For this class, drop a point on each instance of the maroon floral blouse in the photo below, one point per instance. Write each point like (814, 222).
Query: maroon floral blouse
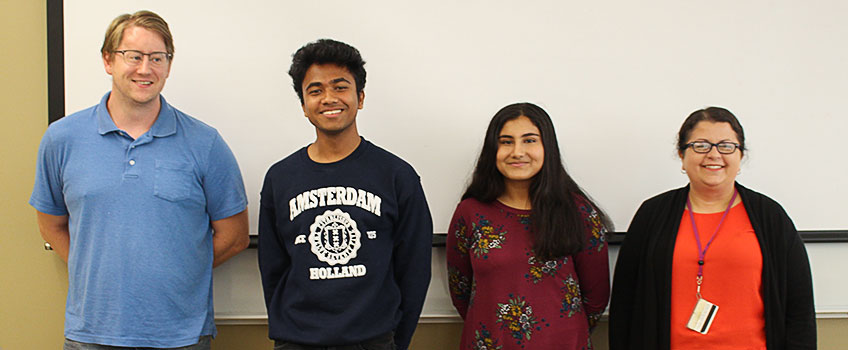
(509, 299)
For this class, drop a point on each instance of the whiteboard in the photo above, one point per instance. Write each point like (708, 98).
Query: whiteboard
(617, 77)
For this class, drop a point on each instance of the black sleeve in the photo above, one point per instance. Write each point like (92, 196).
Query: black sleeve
(625, 280)
(800, 309)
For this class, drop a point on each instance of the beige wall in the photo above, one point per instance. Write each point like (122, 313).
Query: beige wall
(831, 332)
(33, 283)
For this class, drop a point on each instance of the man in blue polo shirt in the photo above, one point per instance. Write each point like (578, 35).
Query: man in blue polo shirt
(142, 201)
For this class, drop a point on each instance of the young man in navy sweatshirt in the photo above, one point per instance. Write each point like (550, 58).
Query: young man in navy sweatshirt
(344, 227)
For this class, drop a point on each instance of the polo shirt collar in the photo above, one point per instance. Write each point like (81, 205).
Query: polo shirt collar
(105, 124)
(165, 124)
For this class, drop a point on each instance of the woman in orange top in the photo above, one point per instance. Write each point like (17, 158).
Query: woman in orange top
(712, 265)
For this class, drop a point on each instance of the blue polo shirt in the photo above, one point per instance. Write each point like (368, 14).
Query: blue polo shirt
(140, 263)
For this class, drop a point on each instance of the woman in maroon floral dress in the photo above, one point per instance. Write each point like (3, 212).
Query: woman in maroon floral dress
(526, 251)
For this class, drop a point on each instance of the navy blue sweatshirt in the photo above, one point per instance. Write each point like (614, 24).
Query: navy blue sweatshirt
(344, 248)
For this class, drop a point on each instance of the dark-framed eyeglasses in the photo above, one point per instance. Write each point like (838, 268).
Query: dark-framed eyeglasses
(135, 57)
(706, 147)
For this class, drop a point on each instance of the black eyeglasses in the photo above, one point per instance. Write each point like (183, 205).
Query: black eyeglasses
(135, 57)
(706, 147)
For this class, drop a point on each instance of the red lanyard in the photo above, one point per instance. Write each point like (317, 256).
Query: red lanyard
(703, 252)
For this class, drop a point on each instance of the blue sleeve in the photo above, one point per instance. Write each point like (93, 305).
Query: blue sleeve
(48, 192)
(222, 182)
(412, 254)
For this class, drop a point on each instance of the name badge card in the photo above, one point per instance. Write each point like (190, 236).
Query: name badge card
(702, 317)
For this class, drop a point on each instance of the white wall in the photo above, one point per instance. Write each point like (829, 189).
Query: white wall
(618, 77)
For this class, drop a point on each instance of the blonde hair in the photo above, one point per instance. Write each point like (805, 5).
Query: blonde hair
(144, 19)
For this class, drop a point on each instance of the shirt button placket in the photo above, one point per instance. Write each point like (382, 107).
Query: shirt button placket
(131, 168)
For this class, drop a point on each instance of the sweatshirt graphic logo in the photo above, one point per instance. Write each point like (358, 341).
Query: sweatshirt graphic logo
(334, 195)
(334, 237)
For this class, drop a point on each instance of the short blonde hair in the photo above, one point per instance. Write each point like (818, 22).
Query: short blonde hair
(144, 19)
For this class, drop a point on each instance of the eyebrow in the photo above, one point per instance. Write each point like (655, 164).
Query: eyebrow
(705, 140)
(525, 135)
(334, 81)
(315, 84)
(339, 80)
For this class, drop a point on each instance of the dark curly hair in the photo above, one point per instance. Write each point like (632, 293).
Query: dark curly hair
(326, 51)
(710, 114)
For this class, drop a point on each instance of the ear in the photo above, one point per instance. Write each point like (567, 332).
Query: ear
(107, 62)
(361, 99)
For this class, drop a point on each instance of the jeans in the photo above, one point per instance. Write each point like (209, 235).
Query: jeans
(204, 343)
(382, 342)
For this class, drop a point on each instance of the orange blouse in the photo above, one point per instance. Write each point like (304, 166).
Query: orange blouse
(732, 280)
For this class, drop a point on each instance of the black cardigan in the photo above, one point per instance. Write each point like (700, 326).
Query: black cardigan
(640, 309)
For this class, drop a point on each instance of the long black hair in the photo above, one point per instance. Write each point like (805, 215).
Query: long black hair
(558, 228)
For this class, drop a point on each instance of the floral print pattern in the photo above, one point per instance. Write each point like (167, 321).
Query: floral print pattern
(516, 315)
(524, 219)
(572, 301)
(460, 285)
(598, 232)
(518, 305)
(483, 340)
(486, 237)
(539, 270)
(462, 239)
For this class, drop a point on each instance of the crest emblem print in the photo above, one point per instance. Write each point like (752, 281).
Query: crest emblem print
(334, 237)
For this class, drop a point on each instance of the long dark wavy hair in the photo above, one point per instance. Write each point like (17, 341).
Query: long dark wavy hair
(557, 227)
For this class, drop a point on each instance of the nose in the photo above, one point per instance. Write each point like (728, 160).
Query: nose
(144, 66)
(329, 97)
(714, 153)
(518, 149)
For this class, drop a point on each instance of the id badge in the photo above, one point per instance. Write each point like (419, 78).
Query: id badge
(702, 316)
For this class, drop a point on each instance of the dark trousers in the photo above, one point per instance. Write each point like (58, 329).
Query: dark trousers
(382, 342)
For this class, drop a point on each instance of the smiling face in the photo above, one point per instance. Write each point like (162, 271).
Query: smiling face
(520, 151)
(330, 100)
(140, 84)
(713, 170)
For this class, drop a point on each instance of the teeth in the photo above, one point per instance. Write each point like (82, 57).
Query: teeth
(713, 166)
(335, 111)
(145, 82)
